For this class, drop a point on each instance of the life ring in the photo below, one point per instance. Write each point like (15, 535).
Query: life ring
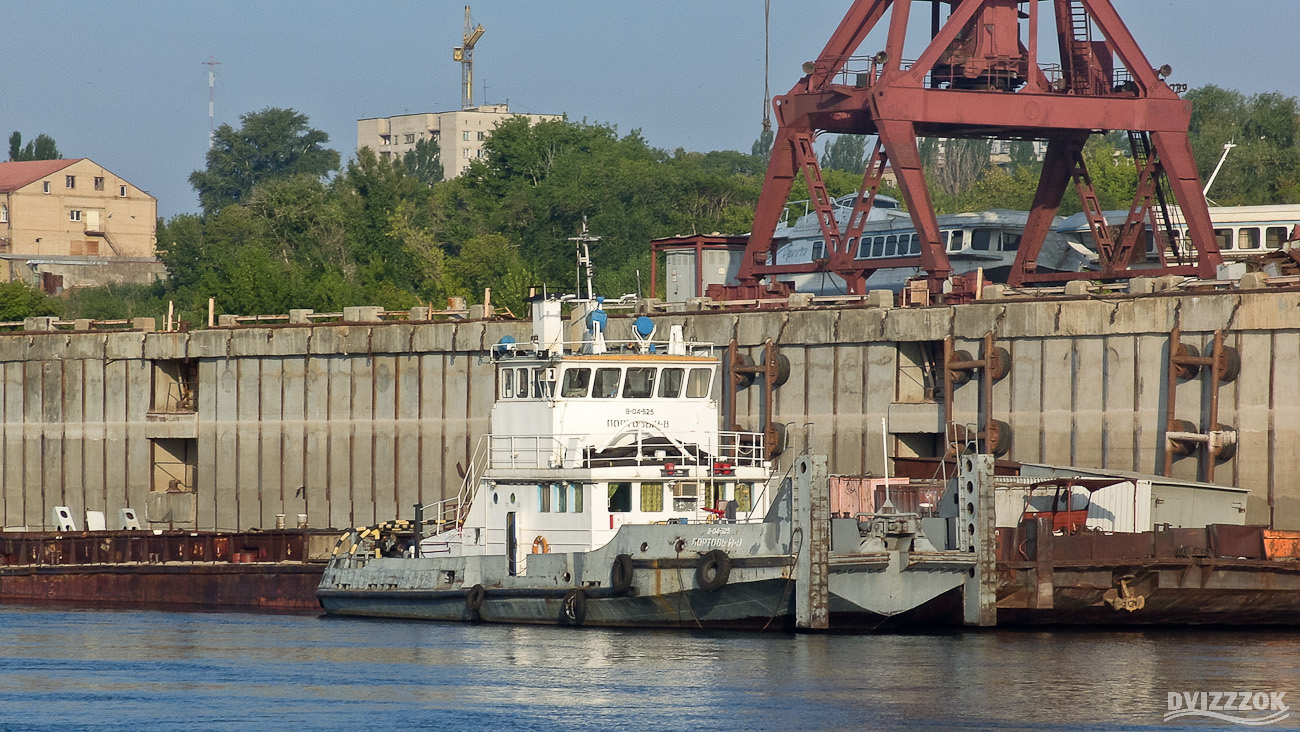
(474, 597)
(713, 570)
(541, 545)
(620, 574)
(573, 608)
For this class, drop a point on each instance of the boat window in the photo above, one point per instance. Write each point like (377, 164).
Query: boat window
(542, 389)
(891, 245)
(853, 242)
(864, 247)
(521, 383)
(652, 497)
(698, 385)
(819, 249)
(1248, 237)
(620, 497)
(714, 493)
(606, 383)
(979, 239)
(743, 497)
(1010, 242)
(575, 493)
(576, 383)
(1223, 237)
(1274, 237)
(507, 383)
(561, 497)
(914, 245)
(544, 498)
(670, 383)
(878, 246)
(957, 241)
(640, 383)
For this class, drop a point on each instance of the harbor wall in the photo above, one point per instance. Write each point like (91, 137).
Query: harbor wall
(353, 423)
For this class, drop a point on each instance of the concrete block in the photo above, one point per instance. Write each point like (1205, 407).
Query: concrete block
(1268, 310)
(860, 326)
(755, 328)
(649, 305)
(165, 345)
(418, 313)
(993, 292)
(125, 346)
(47, 347)
(147, 325)
(1141, 286)
(811, 327)
(800, 300)
(287, 341)
(250, 341)
(1084, 318)
(433, 337)
(1077, 288)
(327, 340)
(975, 320)
(300, 316)
(468, 337)
(1230, 271)
(921, 324)
(477, 312)
(1207, 312)
(1142, 315)
(83, 324)
(1029, 319)
(41, 323)
(1169, 282)
(1252, 281)
(699, 303)
(227, 321)
(85, 345)
(363, 314)
(391, 338)
(356, 338)
(208, 343)
(717, 328)
(883, 299)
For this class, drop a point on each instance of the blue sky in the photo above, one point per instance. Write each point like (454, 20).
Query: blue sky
(123, 83)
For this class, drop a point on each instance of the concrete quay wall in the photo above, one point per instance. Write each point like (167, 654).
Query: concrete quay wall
(353, 423)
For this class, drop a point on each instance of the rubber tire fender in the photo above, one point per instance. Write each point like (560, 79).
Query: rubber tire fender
(573, 608)
(712, 572)
(620, 574)
(474, 597)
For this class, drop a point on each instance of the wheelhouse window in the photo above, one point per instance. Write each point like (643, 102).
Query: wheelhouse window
(620, 497)
(744, 497)
(670, 383)
(1010, 242)
(697, 387)
(957, 241)
(507, 383)
(577, 382)
(878, 246)
(606, 386)
(542, 388)
(891, 245)
(979, 240)
(819, 249)
(640, 383)
(576, 491)
(652, 497)
(544, 497)
(521, 383)
(561, 497)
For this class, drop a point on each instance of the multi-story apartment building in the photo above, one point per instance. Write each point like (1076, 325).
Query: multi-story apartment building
(459, 134)
(74, 218)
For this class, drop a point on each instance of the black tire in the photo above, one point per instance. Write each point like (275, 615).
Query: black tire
(1231, 365)
(746, 379)
(960, 377)
(620, 574)
(713, 570)
(474, 597)
(782, 368)
(573, 608)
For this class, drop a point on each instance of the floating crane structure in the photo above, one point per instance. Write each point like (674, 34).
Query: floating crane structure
(983, 76)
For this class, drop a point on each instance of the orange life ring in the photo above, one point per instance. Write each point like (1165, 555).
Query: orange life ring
(541, 545)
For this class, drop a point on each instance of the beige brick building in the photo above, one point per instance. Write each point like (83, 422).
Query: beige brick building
(459, 134)
(73, 208)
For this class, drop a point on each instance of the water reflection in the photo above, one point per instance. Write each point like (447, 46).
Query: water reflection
(70, 670)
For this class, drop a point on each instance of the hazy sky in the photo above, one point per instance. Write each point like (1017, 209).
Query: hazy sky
(122, 82)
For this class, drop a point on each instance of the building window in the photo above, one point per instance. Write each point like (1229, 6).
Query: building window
(47, 186)
(92, 247)
(410, 139)
(74, 215)
(70, 181)
(4, 214)
(465, 135)
(384, 139)
(435, 135)
(482, 135)
(465, 153)
(121, 191)
(99, 183)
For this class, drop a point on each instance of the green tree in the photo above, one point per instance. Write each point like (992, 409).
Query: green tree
(846, 153)
(19, 300)
(273, 143)
(42, 148)
(954, 164)
(1264, 166)
(424, 163)
(762, 147)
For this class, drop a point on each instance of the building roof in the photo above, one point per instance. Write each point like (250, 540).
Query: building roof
(15, 175)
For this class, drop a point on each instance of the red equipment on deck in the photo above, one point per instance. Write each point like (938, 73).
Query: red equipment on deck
(980, 77)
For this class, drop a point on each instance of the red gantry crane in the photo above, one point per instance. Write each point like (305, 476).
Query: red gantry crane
(981, 77)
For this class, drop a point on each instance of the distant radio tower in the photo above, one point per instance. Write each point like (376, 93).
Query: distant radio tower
(465, 55)
(212, 63)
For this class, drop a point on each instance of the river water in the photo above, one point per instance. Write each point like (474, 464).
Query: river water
(125, 670)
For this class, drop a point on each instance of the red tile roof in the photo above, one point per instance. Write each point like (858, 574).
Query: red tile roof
(16, 175)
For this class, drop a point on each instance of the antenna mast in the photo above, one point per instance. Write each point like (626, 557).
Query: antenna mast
(464, 53)
(582, 243)
(212, 63)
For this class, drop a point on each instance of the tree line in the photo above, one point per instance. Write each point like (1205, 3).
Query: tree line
(284, 224)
